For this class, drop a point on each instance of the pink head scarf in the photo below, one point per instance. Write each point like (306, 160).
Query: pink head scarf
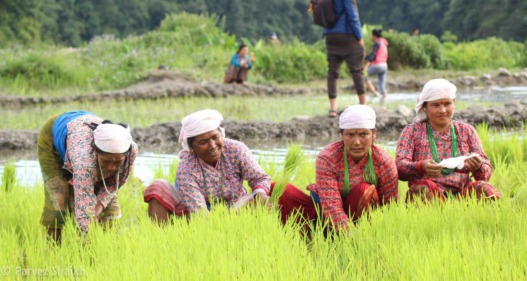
(198, 123)
(434, 89)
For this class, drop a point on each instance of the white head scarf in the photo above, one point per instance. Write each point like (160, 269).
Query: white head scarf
(357, 117)
(198, 123)
(112, 138)
(434, 89)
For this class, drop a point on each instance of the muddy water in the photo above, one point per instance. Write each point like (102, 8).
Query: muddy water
(28, 170)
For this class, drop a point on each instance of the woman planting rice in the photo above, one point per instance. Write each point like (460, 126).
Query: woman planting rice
(352, 174)
(84, 160)
(434, 136)
(212, 168)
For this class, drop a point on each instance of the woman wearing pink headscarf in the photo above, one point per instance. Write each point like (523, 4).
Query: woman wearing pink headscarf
(84, 161)
(211, 169)
(425, 145)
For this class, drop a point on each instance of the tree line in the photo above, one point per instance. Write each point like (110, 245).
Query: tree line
(73, 22)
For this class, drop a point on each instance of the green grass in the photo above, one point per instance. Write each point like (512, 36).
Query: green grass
(459, 240)
(144, 113)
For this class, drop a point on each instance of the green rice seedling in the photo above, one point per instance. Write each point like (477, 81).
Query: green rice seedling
(293, 160)
(8, 176)
(455, 240)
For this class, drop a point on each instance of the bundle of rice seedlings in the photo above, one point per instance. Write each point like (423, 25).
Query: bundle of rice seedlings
(8, 176)
(293, 159)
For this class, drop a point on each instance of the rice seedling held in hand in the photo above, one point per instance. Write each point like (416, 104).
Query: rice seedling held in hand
(293, 160)
(8, 176)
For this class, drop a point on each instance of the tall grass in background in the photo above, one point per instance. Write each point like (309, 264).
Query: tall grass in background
(196, 45)
(458, 240)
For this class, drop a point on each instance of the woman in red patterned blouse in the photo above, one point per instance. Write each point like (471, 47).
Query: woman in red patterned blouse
(352, 174)
(433, 137)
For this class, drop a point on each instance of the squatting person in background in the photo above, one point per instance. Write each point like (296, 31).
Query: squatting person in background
(434, 136)
(352, 175)
(84, 160)
(239, 66)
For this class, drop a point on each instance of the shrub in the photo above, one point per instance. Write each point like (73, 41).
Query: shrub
(488, 53)
(294, 62)
(405, 50)
(196, 30)
(434, 50)
(38, 70)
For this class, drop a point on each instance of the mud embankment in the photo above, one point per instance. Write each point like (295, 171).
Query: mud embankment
(166, 84)
(161, 136)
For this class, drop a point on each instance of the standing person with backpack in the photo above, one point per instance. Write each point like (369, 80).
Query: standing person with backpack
(344, 42)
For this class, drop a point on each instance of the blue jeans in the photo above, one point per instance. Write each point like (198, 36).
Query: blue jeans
(380, 70)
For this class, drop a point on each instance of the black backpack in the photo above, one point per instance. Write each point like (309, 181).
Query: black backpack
(324, 13)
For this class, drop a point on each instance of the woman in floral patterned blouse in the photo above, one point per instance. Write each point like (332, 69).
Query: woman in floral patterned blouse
(84, 160)
(434, 136)
(212, 168)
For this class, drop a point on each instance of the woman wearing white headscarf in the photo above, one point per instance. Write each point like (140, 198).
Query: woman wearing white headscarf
(352, 174)
(84, 160)
(433, 137)
(211, 168)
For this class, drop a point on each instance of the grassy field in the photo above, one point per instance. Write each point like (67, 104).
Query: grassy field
(144, 113)
(467, 240)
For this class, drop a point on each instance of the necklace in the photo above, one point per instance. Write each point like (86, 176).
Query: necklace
(104, 182)
(369, 175)
(433, 146)
(210, 190)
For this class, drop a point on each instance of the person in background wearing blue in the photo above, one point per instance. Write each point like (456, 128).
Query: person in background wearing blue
(344, 42)
(239, 67)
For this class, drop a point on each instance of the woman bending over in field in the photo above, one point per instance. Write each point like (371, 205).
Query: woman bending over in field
(84, 160)
(211, 168)
(352, 174)
(433, 137)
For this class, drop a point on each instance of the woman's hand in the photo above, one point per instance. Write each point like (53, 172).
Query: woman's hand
(262, 199)
(243, 63)
(98, 209)
(431, 168)
(473, 163)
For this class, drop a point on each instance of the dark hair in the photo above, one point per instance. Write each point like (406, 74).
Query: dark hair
(190, 141)
(240, 48)
(94, 126)
(377, 33)
(124, 125)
